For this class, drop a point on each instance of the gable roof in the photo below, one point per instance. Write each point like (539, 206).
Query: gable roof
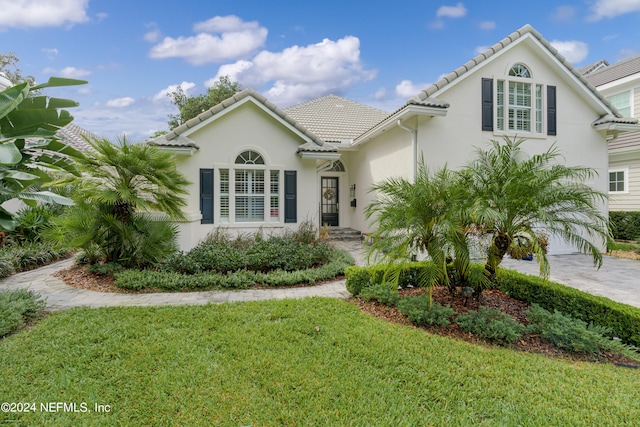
(336, 119)
(617, 71)
(527, 29)
(178, 137)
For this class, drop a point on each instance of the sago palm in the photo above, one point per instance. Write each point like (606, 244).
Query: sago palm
(521, 200)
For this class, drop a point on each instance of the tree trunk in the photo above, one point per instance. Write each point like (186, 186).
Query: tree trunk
(497, 251)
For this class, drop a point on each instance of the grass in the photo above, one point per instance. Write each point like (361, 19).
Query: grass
(293, 362)
(623, 246)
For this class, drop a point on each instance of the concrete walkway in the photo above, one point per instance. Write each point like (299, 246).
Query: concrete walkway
(618, 279)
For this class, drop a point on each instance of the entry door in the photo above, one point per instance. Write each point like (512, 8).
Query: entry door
(330, 206)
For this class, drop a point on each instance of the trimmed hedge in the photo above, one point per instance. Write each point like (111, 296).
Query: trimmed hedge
(625, 225)
(241, 279)
(622, 319)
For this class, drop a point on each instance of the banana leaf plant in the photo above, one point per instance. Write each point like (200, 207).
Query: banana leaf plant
(29, 148)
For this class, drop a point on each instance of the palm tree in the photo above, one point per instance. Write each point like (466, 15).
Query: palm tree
(520, 200)
(425, 215)
(119, 187)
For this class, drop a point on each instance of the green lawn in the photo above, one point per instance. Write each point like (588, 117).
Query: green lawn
(293, 362)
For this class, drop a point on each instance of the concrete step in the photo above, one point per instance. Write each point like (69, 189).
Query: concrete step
(344, 234)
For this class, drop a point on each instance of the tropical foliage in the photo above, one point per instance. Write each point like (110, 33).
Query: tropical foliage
(504, 197)
(29, 148)
(121, 185)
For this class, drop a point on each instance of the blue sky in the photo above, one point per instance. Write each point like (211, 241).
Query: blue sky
(376, 52)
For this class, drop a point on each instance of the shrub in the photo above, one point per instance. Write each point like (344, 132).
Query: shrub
(422, 311)
(17, 257)
(491, 324)
(15, 306)
(572, 334)
(625, 225)
(622, 319)
(108, 269)
(384, 293)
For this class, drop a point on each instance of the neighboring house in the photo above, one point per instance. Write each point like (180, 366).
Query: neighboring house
(620, 84)
(255, 166)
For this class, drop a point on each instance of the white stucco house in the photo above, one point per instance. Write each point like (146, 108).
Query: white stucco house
(255, 166)
(620, 84)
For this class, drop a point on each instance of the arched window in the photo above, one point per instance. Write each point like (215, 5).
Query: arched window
(249, 157)
(519, 70)
(251, 189)
(336, 166)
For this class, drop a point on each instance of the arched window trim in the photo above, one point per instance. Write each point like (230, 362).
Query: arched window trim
(520, 70)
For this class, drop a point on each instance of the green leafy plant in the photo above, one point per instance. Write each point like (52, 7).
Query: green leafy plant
(29, 148)
(384, 293)
(422, 311)
(573, 334)
(15, 306)
(491, 324)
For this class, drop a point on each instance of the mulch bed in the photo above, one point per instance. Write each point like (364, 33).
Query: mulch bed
(530, 343)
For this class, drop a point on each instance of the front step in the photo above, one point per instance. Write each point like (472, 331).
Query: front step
(344, 234)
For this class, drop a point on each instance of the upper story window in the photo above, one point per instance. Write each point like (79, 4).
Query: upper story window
(518, 104)
(622, 103)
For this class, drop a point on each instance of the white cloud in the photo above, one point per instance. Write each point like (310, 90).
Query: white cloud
(74, 73)
(457, 11)
(300, 72)
(42, 13)
(407, 88)
(120, 102)
(611, 8)
(574, 51)
(51, 53)
(163, 95)
(487, 25)
(480, 49)
(219, 39)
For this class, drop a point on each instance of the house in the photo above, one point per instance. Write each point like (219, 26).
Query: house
(255, 166)
(620, 84)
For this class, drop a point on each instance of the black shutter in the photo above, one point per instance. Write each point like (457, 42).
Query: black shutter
(487, 104)
(206, 196)
(290, 197)
(551, 110)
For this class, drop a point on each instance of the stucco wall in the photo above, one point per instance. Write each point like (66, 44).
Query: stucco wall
(246, 127)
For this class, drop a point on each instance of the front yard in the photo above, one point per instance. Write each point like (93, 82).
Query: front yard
(293, 362)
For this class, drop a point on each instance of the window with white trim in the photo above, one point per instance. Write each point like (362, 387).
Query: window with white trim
(618, 180)
(622, 103)
(519, 102)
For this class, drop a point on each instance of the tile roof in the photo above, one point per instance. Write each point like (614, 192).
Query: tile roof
(513, 37)
(336, 119)
(175, 138)
(598, 65)
(74, 136)
(615, 71)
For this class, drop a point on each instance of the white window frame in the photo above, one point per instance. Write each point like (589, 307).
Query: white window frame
(628, 98)
(230, 196)
(625, 171)
(537, 105)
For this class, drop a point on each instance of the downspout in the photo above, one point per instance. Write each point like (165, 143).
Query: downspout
(414, 145)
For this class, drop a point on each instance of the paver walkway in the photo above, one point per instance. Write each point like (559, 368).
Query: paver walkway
(618, 279)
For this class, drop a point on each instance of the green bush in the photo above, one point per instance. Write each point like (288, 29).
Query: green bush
(491, 324)
(360, 277)
(17, 257)
(240, 279)
(108, 269)
(221, 255)
(423, 312)
(622, 319)
(572, 334)
(15, 306)
(625, 225)
(384, 293)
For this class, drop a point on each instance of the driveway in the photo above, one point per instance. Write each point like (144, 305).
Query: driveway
(617, 279)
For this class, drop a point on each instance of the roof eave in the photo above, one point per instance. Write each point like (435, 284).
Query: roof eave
(319, 155)
(404, 114)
